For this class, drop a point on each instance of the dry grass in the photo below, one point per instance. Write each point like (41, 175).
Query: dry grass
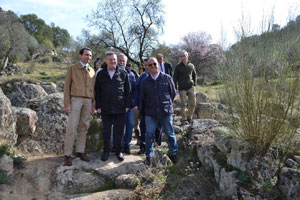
(212, 92)
(52, 72)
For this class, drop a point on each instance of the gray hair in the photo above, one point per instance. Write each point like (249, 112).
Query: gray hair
(109, 53)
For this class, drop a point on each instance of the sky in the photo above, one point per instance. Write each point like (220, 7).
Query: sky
(218, 18)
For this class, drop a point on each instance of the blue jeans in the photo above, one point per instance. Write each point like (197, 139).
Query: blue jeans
(167, 125)
(129, 128)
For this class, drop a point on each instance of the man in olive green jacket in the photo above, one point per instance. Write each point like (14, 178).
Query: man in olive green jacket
(79, 104)
(185, 79)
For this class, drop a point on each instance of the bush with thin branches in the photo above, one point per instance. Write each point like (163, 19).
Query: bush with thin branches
(261, 89)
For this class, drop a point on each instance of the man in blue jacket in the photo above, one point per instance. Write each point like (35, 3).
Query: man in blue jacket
(158, 93)
(127, 136)
(113, 100)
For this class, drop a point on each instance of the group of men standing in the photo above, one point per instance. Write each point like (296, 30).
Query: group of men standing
(115, 93)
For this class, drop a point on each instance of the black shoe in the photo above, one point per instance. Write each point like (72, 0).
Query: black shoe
(120, 156)
(105, 156)
(142, 151)
(126, 150)
(147, 161)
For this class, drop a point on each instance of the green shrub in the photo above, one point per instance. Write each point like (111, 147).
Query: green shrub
(4, 149)
(261, 91)
(18, 160)
(56, 59)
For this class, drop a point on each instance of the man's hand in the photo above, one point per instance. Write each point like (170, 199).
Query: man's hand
(68, 109)
(93, 111)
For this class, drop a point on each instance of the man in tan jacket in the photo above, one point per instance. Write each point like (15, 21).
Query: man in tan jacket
(79, 103)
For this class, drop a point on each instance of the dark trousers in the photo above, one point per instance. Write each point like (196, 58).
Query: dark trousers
(117, 122)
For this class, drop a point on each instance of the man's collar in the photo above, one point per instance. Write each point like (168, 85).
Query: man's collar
(155, 76)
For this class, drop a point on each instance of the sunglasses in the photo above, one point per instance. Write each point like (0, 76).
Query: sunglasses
(150, 65)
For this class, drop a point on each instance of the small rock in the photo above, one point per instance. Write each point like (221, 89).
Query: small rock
(127, 181)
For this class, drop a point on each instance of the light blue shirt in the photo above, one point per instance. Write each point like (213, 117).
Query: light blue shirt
(85, 66)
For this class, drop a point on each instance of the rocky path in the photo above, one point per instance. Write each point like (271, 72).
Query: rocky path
(46, 177)
(32, 181)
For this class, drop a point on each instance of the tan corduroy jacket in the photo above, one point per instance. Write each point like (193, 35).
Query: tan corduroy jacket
(79, 83)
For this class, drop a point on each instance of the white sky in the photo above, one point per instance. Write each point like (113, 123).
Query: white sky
(182, 16)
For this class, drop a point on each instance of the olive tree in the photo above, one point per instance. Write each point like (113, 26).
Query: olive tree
(14, 40)
(128, 26)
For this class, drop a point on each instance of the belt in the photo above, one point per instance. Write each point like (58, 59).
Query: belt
(82, 97)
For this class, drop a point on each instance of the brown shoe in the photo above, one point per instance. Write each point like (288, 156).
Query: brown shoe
(68, 161)
(83, 157)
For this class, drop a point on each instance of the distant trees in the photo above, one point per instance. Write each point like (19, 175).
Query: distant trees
(14, 40)
(131, 27)
(24, 37)
(50, 36)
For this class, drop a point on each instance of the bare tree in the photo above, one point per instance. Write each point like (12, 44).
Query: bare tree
(129, 26)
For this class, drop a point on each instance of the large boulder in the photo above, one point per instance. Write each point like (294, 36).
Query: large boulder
(201, 98)
(201, 132)
(129, 181)
(26, 121)
(32, 91)
(6, 164)
(25, 92)
(8, 120)
(70, 180)
(225, 176)
(49, 87)
(94, 141)
(289, 183)
(17, 98)
(89, 176)
(195, 187)
(51, 125)
(205, 110)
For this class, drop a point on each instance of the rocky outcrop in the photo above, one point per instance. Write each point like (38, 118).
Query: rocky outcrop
(25, 92)
(8, 120)
(32, 91)
(195, 187)
(205, 110)
(201, 98)
(201, 132)
(49, 87)
(88, 176)
(49, 135)
(129, 181)
(6, 164)
(289, 183)
(235, 167)
(26, 121)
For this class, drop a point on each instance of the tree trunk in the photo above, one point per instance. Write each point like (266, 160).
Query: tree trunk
(5, 61)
